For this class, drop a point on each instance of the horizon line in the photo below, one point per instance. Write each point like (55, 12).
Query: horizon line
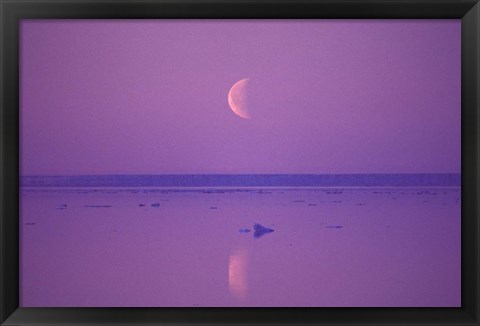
(244, 180)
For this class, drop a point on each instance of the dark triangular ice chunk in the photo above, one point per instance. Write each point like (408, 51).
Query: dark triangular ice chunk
(260, 231)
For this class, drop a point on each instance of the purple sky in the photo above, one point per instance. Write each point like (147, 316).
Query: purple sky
(150, 97)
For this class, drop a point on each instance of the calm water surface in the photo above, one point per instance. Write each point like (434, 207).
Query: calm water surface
(198, 247)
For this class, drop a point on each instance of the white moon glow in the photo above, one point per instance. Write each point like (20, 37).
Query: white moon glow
(237, 99)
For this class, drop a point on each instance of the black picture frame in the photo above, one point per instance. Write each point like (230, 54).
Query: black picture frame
(12, 11)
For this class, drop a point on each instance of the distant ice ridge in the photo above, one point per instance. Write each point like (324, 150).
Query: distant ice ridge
(246, 180)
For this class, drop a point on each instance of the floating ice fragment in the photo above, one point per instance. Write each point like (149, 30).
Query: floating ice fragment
(97, 206)
(336, 192)
(260, 230)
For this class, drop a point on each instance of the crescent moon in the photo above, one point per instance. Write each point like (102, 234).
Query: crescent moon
(237, 99)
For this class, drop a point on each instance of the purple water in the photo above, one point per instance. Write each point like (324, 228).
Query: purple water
(184, 247)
